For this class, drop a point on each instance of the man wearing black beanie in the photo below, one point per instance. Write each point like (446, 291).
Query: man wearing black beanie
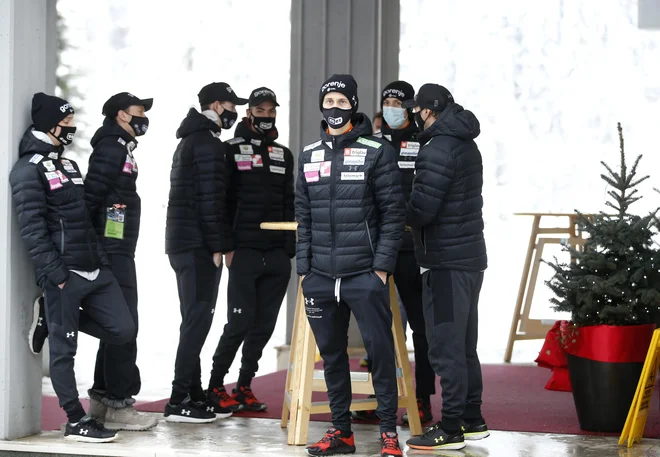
(80, 292)
(350, 214)
(399, 129)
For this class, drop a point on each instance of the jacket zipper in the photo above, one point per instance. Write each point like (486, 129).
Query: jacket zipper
(61, 236)
(238, 205)
(333, 178)
(423, 238)
(371, 245)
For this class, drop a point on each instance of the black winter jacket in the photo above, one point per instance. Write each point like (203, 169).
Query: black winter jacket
(48, 190)
(407, 148)
(349, 205)
(445, 205)
(260, 189)
(111, 180)
(197, 209)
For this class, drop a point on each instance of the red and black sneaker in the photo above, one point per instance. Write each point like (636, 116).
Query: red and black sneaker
(389, 443)
(333, 443)
(247, 400)
(221, 401)
(369, 415)
(425, 414)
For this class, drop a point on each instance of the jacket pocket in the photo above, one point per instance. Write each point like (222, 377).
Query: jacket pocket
(371, 244)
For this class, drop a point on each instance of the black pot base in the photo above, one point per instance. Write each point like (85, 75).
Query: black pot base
(603, 392)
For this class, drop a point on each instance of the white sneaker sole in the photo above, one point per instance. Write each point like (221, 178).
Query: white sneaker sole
(188, 420)
(445, 447)
(33, 327)
(86, 439)
(129, 427)
(477, 436)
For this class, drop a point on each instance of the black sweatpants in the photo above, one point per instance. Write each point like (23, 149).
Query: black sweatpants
(328, 313)
(451, 299)
(256, 287)
(117, 375)
(408, 281)
(104, 315)
(198, 280)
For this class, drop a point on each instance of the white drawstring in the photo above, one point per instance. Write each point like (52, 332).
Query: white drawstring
(338, 290)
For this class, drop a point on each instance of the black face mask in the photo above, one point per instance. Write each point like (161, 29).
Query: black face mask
(66, 134)
(264, 125)
(228, 118)
(336, 117)
(140, 125)
(419, 121)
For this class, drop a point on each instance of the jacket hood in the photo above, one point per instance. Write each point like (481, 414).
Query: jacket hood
(30, 144)
(361, 127)
(111, 128)
(194, 122)
(453, 121)
(244, 130)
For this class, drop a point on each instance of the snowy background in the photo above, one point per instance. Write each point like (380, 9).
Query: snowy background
(548, 81)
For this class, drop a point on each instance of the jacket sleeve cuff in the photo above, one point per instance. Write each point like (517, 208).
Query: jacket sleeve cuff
(59, 276)
(303, 267)
(384, 264)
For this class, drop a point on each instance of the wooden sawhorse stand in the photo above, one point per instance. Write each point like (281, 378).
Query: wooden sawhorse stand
(302, 379)
(522, 327)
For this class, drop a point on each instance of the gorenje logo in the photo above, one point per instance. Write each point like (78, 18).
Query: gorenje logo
(264, 92)
(229, 89)
(333, 85)
(396, 93)
(64, 108)
(335, 120)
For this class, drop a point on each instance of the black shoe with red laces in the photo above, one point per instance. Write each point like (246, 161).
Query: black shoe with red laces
(389, 443)
(425, 414)
(334, 442)
(246, 398)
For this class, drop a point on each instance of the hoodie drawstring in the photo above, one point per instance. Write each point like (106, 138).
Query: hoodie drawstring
(338, 290)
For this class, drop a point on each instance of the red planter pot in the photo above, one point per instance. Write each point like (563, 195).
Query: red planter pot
(605, 363)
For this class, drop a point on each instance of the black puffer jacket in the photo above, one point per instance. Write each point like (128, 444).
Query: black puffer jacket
(349, 205)
(110, 180)
(48, 190)
(445, 205)
(260, 190)
(197, 210)
(407, 148)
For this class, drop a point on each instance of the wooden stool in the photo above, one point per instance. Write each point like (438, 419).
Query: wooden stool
(522, 327)
(302, 379)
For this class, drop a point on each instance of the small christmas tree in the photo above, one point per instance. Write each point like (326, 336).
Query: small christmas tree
(615, 278)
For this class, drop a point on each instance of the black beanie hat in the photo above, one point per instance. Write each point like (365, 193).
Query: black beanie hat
(400, 90)
(48, 111)
(344, 84)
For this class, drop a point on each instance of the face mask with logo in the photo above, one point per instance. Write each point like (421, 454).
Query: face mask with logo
(336, 117)
(263, 124)
(395, 117)
(227, 119)
(66, 134)
(140, 125)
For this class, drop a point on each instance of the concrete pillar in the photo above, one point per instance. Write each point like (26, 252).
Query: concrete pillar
(26, 27)
(360, 37)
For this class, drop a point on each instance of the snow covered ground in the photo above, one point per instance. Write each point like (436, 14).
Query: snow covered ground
(548, 81)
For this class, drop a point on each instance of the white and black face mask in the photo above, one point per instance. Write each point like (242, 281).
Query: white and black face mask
(336, 117)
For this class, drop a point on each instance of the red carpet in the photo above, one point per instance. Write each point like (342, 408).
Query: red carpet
(514, 400)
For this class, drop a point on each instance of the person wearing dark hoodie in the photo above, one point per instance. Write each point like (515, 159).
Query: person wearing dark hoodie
(114, 207)
(445, 213)
(260, 190)
(351, 215)
(400, 130)
(197, 234)
(80, 292)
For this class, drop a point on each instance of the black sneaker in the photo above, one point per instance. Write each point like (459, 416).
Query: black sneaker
(436, 438)
(38, 329)
(333, 443)
(89, 430)
(425, 414)
(189, 412)
(475, 430)
(221, 401)
(369, 415)
(245, 397)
